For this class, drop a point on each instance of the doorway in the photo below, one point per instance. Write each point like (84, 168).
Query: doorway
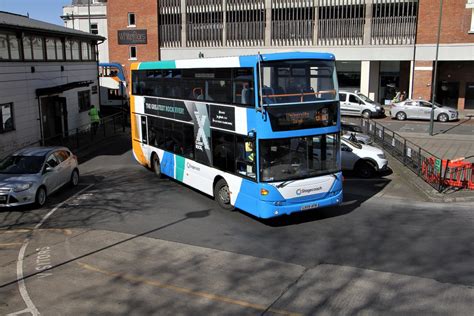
(469, 99)
(54, 117)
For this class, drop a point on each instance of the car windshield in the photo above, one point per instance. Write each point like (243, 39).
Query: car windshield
(298, 81)
(21, 164)
(351, 128)
(299, 157)
(365, 98)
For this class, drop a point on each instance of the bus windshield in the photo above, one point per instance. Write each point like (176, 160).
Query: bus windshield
(297, 81)
(299, 157)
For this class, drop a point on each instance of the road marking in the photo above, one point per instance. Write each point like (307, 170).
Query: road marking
(30, 307)
(209, 296)
(65, 231)
(11, 244)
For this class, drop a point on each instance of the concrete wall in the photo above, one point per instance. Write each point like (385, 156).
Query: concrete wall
(18, 85)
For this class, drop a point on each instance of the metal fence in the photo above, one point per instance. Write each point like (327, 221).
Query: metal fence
(85, 135)
(424, 164)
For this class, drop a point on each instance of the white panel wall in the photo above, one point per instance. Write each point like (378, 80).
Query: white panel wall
(18, 85)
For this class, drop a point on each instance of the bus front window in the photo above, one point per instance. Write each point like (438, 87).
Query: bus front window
(299, 157)
(297, 81)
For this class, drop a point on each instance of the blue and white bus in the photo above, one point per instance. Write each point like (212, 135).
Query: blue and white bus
(112, 88)
(258, 133)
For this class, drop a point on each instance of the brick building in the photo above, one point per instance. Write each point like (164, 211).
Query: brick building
(133, 31)
(382, 46)
(455, 82)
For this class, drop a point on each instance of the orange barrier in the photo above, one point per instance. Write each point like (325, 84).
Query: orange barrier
(457, 173)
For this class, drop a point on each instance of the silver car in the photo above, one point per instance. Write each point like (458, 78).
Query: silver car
(31, 174)
(421, 109)
(355, 133)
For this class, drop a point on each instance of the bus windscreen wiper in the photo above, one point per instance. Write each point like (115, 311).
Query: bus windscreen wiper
(284, 183)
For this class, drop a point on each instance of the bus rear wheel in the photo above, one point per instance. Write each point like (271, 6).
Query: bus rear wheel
(222, 195)
(155, 165)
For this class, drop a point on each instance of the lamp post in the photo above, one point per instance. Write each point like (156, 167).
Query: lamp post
(89, 14)
(433, 83)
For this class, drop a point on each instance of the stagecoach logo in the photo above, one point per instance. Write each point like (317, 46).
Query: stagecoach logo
(201, 140)
(190, 166)
(308, 191)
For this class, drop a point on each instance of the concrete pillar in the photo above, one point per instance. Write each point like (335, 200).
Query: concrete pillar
(224, 22)
(316, 23)
(183, 24)
(368, 21)
(268, 23)
(369, 79)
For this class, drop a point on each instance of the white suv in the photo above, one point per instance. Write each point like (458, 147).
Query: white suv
(358, 104)
(365, 160)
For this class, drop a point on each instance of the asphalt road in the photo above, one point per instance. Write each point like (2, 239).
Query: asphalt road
(130, 243)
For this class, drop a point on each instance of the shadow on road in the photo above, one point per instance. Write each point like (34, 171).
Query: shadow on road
(460, 122)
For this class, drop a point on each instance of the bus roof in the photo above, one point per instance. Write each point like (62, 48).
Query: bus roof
(225, 62)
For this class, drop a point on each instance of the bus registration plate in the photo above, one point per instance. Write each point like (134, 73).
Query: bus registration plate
(309, 207)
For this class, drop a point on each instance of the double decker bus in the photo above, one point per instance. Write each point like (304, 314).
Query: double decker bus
(259, 133)
(112, 88)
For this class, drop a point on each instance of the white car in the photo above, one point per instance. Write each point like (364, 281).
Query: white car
(365, 160)
(421, 109)
(359, 105)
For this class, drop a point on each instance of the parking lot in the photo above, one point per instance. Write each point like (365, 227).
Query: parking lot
(127, 242)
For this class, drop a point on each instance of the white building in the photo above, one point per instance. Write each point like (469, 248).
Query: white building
(48, 80)
(76, 16)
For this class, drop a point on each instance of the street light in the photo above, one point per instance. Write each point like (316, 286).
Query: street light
(433, 84)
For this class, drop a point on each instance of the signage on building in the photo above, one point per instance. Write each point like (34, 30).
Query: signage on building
(126, 37)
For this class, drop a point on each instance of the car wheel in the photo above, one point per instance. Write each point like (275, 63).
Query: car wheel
(365, 169)
(41, 196)
(155, 165)
(443, 117)
(74, 178)
(367, 114)
(401, 116)
(222, 195)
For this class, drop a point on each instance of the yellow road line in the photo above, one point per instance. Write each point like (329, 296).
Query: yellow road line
(132, 278)
(66, 231)
(11, 244)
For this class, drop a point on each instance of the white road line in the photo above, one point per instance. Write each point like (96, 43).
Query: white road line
(30, 307)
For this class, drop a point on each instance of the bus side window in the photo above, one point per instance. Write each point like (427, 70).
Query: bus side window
(223, 151)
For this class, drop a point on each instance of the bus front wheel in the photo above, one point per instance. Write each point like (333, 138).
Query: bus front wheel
(222, 195)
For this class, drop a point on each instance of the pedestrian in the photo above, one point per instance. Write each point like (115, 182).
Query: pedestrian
(397, 97)
(95, 118)
(403, 96)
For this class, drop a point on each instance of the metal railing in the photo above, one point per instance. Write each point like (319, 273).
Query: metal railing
(423, 163)
(84, 135)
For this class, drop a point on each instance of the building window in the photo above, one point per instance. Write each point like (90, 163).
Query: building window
(133, 52)
(38, 50)
(59, 49)
(4, 46)
(94, 28)
(6, 117)
(27, 53)
(68, 50)
(84, 100)
(51, 49)
(85, 51)
(131, 19)
(75, 50)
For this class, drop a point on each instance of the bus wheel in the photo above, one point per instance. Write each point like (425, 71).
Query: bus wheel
(155, 165)
(222, 195)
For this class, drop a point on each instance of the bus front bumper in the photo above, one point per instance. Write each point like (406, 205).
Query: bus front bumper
(273, 209)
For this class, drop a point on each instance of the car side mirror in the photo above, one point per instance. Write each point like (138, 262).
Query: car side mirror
(48, 169)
